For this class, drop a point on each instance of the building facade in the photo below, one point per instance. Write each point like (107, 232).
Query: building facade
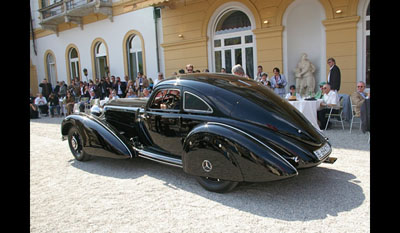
(123, 37)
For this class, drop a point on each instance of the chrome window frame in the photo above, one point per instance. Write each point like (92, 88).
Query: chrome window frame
(196, 110)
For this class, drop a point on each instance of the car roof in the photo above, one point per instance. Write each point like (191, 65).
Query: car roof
(222, 80)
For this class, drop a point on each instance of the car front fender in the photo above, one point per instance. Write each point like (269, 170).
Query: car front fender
(99, 137)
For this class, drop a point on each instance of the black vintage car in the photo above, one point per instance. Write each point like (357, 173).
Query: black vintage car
(222, 129)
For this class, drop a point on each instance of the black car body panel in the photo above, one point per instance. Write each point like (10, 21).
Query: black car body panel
(99, 137)
(219, 126)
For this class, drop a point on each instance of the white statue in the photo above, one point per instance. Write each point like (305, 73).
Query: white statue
(304, 73)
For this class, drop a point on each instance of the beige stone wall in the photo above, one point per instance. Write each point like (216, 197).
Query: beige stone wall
(185, 25)
(190, 18)
(341, 44)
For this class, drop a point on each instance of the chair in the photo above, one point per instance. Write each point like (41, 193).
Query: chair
(89, 105)
(339, 114)
(353, 115)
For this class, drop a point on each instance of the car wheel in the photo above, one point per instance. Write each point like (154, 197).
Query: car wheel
(75, 143)
(216, 185)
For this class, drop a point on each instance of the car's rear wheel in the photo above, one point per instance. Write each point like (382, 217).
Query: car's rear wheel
(216, 185)
(75, 143)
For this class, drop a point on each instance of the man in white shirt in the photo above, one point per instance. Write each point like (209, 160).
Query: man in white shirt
(330, 99)
(41, 102)
(159, 79)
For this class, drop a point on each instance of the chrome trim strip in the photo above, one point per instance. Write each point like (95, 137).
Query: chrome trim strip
(160, 158)
(194, 110)
(244, 82)
(276, 153)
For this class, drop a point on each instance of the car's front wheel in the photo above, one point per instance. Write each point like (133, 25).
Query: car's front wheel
(216, 185)
(75, 143)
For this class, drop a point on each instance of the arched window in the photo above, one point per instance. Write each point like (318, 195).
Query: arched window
(134, 56)
(51, 68)
(233, 42)
(100, 55)
(73, 63)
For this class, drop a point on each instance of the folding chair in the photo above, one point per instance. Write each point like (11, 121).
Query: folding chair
(339, 114)
(353, 115)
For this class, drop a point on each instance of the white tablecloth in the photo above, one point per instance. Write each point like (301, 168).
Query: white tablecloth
(309, 109)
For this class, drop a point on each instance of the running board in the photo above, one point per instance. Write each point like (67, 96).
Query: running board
(160, 158)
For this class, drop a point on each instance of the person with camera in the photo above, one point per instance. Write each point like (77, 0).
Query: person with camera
(278, 82)
(264, 80)
(46, 88)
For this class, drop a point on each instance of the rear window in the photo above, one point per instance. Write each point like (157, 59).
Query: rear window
(193, 103)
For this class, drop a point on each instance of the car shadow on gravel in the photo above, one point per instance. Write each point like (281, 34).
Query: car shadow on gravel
(315, 193)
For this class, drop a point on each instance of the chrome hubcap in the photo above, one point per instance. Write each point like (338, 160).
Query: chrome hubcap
(74, 143)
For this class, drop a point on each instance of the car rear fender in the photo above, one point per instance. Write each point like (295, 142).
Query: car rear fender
(233, 154)
(99, 137)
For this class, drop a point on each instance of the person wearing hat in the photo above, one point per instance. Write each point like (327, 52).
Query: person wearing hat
(319, 93)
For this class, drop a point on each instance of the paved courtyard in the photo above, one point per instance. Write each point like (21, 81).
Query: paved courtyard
(106, 195)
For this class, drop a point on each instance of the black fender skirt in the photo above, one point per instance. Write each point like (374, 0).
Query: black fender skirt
(99, 137)
(224, 152)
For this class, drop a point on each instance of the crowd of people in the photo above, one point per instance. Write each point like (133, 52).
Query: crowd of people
(328, 91)
(63, 97)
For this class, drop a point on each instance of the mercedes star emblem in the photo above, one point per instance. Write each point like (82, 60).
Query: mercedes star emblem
(207, 166)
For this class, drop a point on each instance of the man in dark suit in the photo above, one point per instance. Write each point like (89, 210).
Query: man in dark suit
(120, 87)
(334, 75)
(46, 88)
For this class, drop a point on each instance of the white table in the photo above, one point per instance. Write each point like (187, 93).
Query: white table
(309, 109)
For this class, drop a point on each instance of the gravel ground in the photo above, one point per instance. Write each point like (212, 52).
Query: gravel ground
(106, 195)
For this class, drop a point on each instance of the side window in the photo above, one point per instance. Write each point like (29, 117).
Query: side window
(193, 103)
(168, 99)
